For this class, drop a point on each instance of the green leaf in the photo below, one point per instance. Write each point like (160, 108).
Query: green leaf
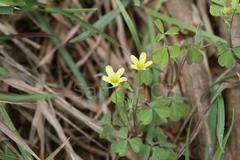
(119, 147)
(127, 86)
(118, 97)
(161, 57)
(144, 152)
(12, 3)
(160, 154)
(163, 113)
(3, 72)
(145, 115)
(226, 60)
(123, 133)
(159, 25)
(236, 51)
(172, 31)
(198, 36)
(156, 14)
(106, 119)
(136, 3)
(220, 2)
(144, 77)
(194, 56)
(130, 25)
(135, 144)
(108, 132)
(159, 37)
(215, 10)
(6, 10)
(178, 110)
(174, 51)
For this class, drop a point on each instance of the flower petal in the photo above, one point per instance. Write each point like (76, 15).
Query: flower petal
(143, 57)
(134, 59)
(120, 72)
(133, 66)
(148, 63)
(123, 79)
(114, 84)
(109, 70)
(106, 79)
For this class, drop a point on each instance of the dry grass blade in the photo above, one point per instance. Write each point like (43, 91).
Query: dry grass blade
(16, 139)
(54, 153)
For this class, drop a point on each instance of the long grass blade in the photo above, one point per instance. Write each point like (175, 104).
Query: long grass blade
(101, 23)
(10, 124)
(183, 25)
(64, 53)
(28, 97)
(130, 25)
(219, 152)
(220, 120)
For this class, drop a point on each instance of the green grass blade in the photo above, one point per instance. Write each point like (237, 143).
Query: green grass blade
(70, 10)
(64, 53)
(84, 24)
(101, 23)
(130, 25)
(219, 152)
(183, 25)
(220, 120)
(10, 124)
(29, 97)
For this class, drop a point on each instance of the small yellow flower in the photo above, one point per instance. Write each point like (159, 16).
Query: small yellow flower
(140, 64)
(114, 77)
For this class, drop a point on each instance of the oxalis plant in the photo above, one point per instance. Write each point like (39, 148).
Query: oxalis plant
(228, 53)
(137, 121)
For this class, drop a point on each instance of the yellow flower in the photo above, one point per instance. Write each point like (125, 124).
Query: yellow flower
(140, 64)
(114, 77)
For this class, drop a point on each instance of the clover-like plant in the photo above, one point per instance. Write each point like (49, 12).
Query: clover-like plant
(227, 52)
(137, 121)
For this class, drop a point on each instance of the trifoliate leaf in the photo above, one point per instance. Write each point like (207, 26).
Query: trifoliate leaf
(144, 152)
(226, 60)
(194, 56)
(144, 77)
(135, 144)
(123, 133)
(127, 86)
(174, 51)
(161, 57)
(145, 115)
(163, 113)
(118, 96)
(108, 131)
(119, 147)
(215, 10)
(236, 51)
(172, 31)
(178, 110)
(106, 119)
(159, 25)
(159, 37)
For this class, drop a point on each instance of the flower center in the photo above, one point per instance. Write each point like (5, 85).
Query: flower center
(140, 65)
(114, 79)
